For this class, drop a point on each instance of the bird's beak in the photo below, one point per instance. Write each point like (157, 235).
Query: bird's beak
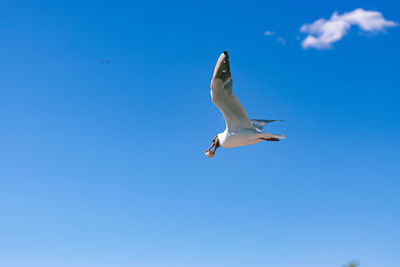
(210, 153)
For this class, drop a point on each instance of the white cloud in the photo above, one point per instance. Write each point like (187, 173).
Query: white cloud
(278, 38)
(269, 33)
(322, 33)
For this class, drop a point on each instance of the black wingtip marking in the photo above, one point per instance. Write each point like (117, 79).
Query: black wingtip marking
(224, 72)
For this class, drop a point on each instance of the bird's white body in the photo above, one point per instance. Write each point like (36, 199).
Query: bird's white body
(240, 130)
(229, 139)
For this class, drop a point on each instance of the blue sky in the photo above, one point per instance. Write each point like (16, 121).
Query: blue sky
(103, 164)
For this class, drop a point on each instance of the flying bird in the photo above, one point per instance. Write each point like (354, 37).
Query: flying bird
(105, 61)
(240, 130)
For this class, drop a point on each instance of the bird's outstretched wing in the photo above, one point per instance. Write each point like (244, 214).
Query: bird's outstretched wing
(222, 96)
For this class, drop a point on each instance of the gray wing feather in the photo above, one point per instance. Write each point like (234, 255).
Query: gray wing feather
(259, 124)
(222, 96)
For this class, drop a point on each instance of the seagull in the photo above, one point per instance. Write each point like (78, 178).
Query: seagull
(240, 130)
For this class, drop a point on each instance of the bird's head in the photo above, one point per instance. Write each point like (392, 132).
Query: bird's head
(215, 144)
